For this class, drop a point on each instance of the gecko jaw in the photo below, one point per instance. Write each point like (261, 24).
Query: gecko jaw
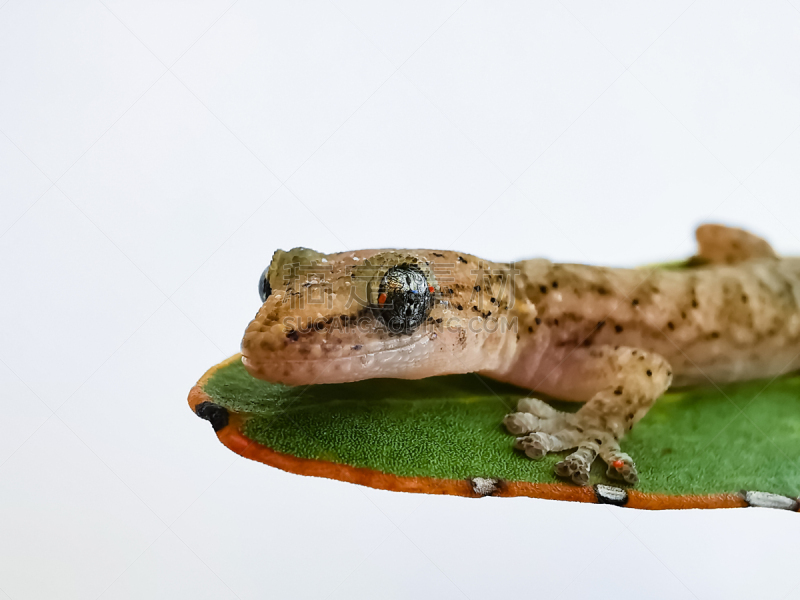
(406, 357)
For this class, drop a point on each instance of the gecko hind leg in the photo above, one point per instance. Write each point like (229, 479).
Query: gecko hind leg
(631, 381)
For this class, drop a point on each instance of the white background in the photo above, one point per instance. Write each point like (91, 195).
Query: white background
(154, 154)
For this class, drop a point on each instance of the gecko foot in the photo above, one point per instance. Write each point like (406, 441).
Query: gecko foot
(543, 429)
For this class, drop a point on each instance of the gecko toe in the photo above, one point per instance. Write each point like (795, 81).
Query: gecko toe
(535, 445)
(623, 468)
(576, 466)
(534, 416)
(520, 423)
(537, 408)
(575, 470)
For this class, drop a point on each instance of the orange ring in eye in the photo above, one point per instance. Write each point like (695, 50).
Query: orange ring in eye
(381, 298)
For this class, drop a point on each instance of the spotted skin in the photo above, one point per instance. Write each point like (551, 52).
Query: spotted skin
(615, 339)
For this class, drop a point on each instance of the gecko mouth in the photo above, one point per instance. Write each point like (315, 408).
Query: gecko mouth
(280, 343)
(320, 363)
(329, 358)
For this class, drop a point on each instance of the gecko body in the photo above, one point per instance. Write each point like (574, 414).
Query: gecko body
(615, 339)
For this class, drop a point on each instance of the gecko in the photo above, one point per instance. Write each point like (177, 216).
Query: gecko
(613, 338)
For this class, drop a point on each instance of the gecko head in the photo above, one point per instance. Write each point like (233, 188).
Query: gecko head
(331, 318)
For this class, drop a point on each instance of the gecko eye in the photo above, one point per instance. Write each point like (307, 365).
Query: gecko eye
(404, 298)
(264, 290)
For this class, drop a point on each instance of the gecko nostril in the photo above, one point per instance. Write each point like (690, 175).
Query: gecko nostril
(264, 289)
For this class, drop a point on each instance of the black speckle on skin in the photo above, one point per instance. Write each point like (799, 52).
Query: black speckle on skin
(538, 321)
(600, 325)
(493, 300)
(437, 254)
(715, 334)
(694, 303)
(635, 302)
(213, 413)
(462, 260)
(555, 321)
(292, 335)
(555, 284)
(618, 391)
(477, 288)
(543, 289)
(618, 328)
(744, 299)
(649, 373)
(530, 329)
(671, 326)
(356, 347)
(602, 291)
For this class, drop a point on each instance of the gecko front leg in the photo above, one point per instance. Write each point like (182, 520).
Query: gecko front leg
(628, 382)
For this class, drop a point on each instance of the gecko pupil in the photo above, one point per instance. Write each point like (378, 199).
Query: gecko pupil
(264, 289)
(408, 299)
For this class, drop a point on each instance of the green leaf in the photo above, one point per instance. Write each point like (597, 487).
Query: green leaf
(696, 441)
